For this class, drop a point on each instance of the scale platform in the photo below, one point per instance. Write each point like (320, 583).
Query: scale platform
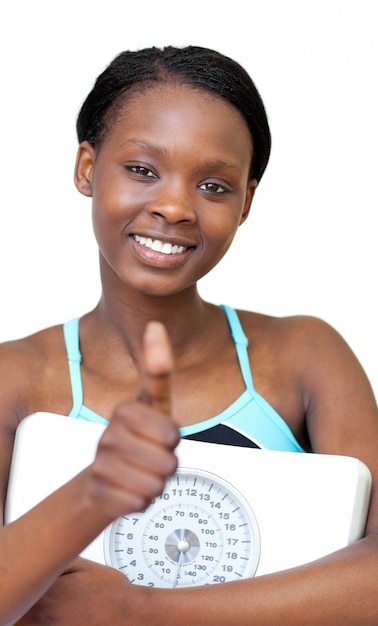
(227, 513)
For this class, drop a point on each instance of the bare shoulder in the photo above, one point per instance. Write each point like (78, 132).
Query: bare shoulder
(321, 366)
(25, 367)
(299, 326)
(313, 343)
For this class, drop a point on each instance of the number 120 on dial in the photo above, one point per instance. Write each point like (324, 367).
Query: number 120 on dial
(200, 531)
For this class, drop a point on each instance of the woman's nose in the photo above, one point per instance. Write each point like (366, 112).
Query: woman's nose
(173, 203)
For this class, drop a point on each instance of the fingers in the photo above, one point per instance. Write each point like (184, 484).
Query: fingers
(158, 366)
(140, 432)
(135, 455)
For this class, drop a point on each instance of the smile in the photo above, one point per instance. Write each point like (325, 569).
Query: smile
(159, 246)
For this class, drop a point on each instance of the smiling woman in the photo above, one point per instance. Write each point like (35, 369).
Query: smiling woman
(175, 172)
(172, 146)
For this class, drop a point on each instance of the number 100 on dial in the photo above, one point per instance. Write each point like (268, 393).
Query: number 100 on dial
(200, 531)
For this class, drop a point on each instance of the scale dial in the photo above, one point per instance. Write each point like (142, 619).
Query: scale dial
(199, 531)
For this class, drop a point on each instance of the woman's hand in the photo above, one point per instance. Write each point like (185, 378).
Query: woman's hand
(135, 455)
(87, 593)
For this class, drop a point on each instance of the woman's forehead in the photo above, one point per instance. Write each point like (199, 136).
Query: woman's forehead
(174, 110)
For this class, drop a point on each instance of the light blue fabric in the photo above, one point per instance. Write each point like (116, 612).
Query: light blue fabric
(250, 414)
(71, 338)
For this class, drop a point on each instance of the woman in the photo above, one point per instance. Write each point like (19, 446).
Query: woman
(173, 144)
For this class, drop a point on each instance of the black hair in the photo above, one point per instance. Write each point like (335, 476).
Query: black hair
(194, 66)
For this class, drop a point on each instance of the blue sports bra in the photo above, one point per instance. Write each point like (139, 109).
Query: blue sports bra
(249, 421)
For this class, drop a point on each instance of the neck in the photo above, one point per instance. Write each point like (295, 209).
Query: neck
(121, 316)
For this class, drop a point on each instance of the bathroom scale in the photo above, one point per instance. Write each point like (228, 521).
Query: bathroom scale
(227, 513)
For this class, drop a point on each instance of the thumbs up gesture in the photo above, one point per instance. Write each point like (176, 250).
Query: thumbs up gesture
(135, 455)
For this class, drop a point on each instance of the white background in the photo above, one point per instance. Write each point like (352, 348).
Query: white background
(309, 245)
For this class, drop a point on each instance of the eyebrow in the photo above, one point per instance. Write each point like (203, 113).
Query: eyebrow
(144, 143)
(161, 150)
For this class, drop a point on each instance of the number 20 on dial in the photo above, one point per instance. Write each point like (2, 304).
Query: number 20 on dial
(200, 531)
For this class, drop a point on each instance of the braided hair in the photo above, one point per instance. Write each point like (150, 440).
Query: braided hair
(200, 68)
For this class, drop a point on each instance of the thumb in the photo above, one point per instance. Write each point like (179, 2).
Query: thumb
(157, 369)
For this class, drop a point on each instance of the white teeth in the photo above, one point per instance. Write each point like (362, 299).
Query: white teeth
(159, 246)
(166, 248)
(156, 245)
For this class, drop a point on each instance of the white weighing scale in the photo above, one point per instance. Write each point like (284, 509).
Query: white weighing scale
(228, 512)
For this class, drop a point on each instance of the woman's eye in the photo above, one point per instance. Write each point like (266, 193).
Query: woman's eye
(212, 188)
(141, 171)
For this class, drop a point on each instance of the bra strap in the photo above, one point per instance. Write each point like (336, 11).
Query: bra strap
(71, 338)
(241, 344)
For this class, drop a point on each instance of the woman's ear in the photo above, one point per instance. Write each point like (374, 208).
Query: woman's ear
(85, 160)
(251, 188)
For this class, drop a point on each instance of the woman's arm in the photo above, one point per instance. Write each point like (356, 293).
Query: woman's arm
(134, 458)
(340, 589)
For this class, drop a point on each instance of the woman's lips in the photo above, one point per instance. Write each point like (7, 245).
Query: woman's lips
(157, 245)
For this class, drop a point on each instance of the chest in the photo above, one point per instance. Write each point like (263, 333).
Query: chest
(205, 387)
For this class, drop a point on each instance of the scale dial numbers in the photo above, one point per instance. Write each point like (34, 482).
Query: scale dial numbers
(200, 531)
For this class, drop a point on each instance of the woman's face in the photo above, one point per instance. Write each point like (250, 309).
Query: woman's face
(170, 186)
